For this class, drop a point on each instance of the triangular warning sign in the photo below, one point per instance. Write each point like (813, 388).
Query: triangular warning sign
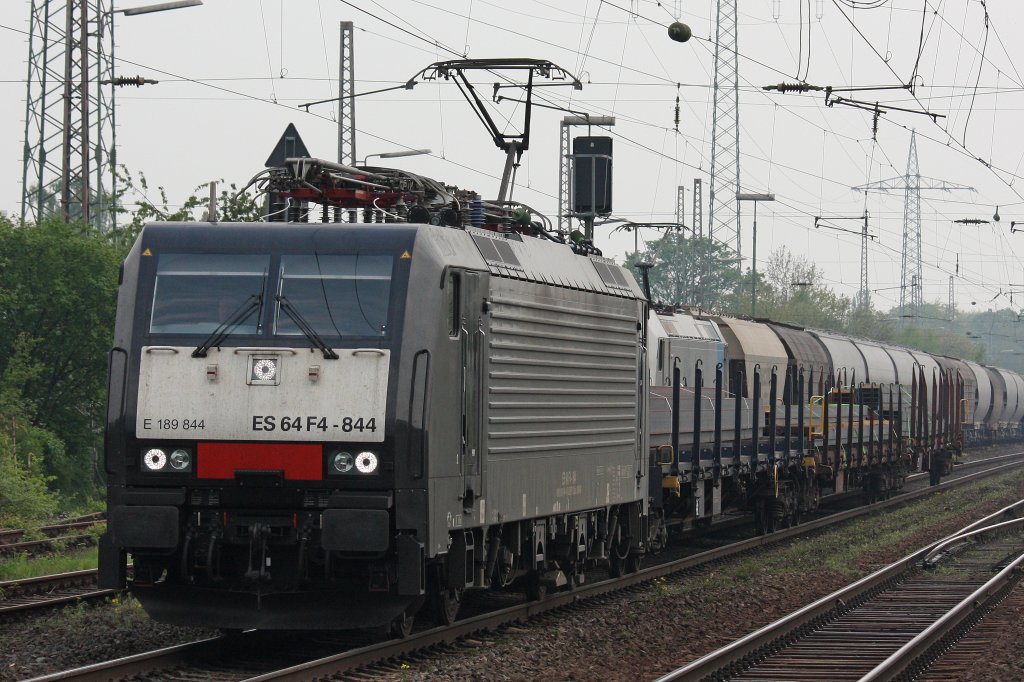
(405, 256)
(289, 146)
(147, 252)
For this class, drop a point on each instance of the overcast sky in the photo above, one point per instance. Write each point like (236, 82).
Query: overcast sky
(233, 72)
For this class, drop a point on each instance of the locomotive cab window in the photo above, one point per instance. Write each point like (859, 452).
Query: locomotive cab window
(338, 295)
(196, 293)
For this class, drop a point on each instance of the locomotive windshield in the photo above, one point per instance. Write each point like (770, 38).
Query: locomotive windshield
(195, 293)
(338, 295)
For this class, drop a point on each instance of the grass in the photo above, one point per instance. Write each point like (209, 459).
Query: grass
(840, 549)
(21, 566)
(121, 612)
(846, 550)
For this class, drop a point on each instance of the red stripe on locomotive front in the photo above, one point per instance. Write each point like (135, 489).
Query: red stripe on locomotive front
(222, 460)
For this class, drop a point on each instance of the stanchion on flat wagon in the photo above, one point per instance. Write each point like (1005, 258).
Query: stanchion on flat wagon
(717, 452)
(773, 388)
(698, 384)
(737, 399)
(757, 420)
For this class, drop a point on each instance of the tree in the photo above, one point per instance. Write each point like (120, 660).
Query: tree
(58, 288)
(232, 206)
(796, 292)
(689, 270)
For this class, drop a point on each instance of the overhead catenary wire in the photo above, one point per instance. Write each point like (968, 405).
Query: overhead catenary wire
(835, 182)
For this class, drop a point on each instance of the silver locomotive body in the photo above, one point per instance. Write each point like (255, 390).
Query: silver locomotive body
(329, 426)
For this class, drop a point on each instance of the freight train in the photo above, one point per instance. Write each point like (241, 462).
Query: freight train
(340, 424)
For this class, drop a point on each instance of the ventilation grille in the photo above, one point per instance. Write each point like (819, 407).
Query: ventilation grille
(497, 252)
(611, 275)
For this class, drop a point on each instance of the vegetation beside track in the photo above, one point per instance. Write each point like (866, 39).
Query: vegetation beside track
(849, 548)
(21, 566)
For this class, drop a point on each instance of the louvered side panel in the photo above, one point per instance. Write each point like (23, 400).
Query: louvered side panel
(562, 380)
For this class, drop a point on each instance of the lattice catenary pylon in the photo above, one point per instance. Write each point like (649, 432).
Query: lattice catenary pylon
(911, 184)
(69, 160)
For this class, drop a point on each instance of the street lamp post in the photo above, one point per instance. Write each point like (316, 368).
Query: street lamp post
(396, 155)
(158, 7)
(740, 196)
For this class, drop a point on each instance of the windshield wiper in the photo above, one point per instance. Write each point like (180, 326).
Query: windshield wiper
(241, 314)
(306, 328)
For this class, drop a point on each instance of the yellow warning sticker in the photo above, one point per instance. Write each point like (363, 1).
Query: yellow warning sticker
(405, 255)
(147, 252)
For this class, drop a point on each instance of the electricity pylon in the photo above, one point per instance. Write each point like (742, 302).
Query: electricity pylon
(69, 162)
(911, 184)
(724, 216)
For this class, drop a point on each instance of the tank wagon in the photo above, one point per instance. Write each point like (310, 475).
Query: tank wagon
(343, 424)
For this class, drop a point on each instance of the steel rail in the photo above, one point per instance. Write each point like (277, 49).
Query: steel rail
(972, 606)
(31, 546)
(739, 649)
(47, 590)
(140, 664)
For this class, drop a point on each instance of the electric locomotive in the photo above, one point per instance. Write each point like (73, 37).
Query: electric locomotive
(339, 424)
(331, 425)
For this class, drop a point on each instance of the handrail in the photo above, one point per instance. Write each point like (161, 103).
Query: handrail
(271, 349)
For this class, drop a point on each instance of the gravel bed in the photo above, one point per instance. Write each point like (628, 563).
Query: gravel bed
(635, 636)
(1004, 662)
(80, 634)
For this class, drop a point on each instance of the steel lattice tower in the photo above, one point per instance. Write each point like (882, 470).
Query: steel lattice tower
(564, 184)
(680, 205)
(911, 184)
(69, 159)
(864, 297)
(698, 208)
(724, 217)
(911, 263)
(346, 97)
(952, 299)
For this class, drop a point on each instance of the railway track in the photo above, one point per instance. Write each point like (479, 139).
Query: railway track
(11, 541)
(896, 621)
(49, 590)
(250, 657)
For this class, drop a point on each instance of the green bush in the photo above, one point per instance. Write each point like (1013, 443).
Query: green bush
(25, 499)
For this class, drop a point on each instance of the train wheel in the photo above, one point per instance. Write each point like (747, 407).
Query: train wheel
(617, 555)
(445, 605)
(765, 519)
(401, 627)
(535, 590)
(633, 562)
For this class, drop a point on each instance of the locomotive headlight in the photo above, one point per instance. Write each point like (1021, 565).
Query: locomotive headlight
(366, 462)
(343, 462)
(155, 459)
(181, 460)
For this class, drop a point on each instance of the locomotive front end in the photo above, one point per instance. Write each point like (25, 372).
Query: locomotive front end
(250, 444)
